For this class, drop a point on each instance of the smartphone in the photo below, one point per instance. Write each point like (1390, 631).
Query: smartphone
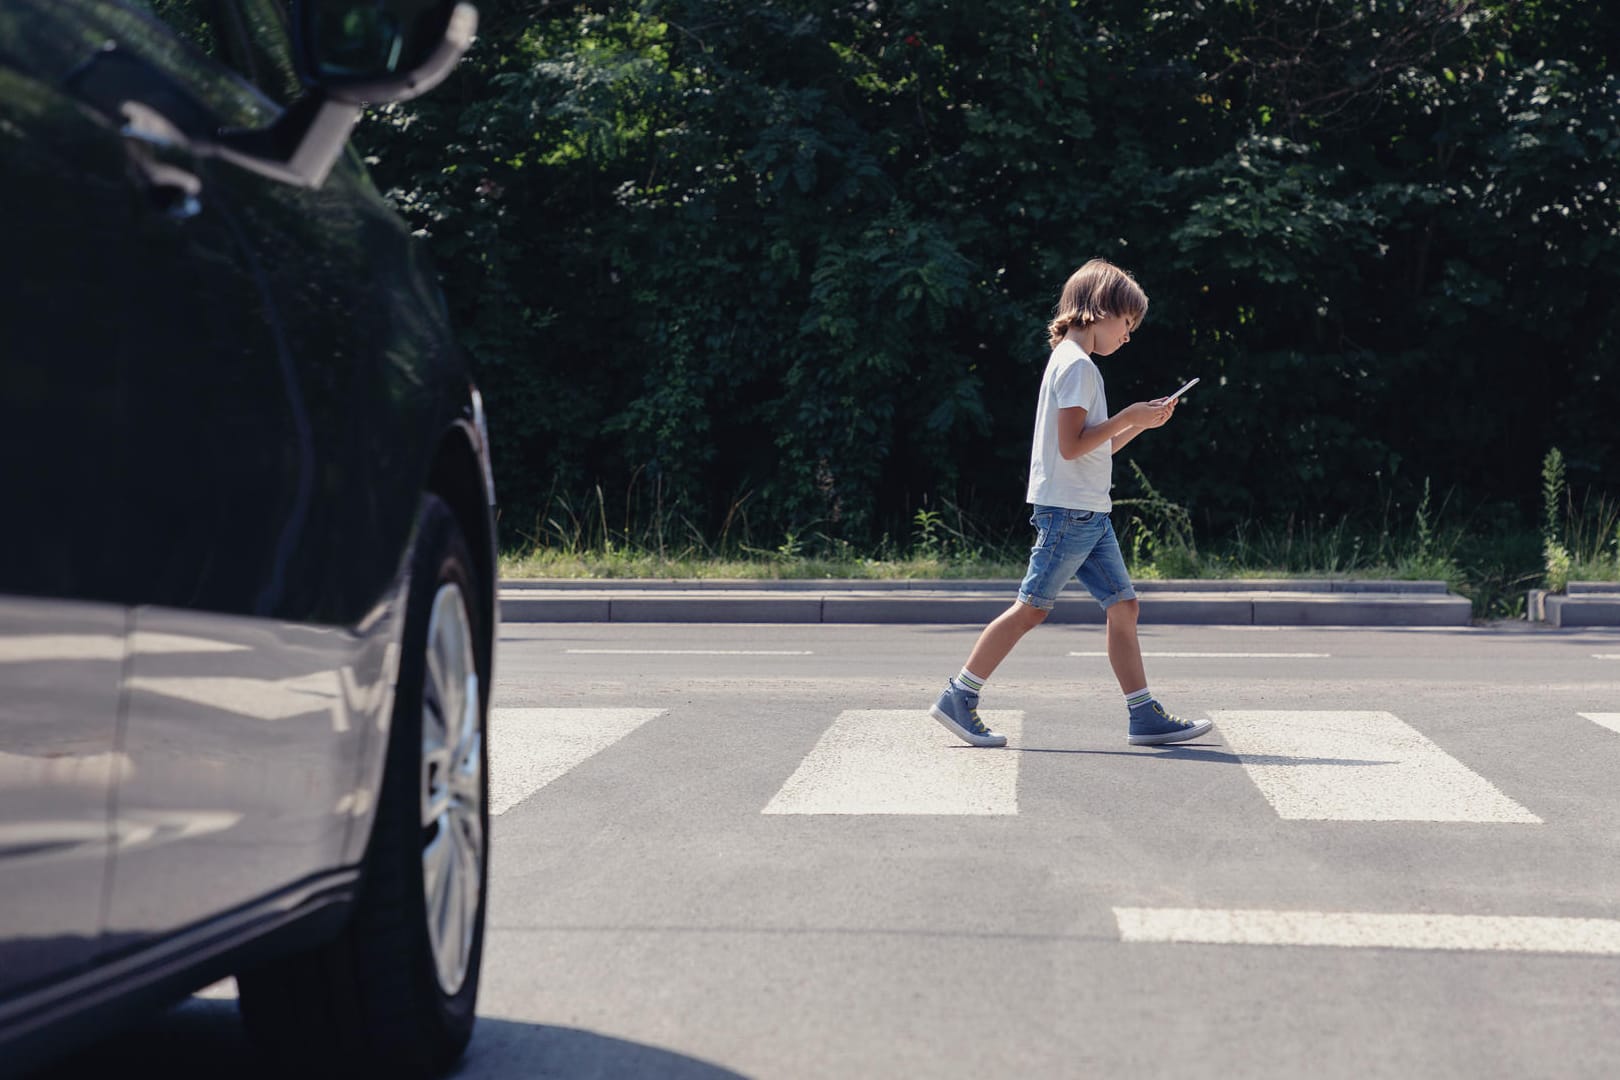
(1184, 389)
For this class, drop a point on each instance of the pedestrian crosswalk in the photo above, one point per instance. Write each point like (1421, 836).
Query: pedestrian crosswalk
(1308, 765)
(1610, 720)
(1358, 766)
(529, 748)
(1370, 930)
(882, 761)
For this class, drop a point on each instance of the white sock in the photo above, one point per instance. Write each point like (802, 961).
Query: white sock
(1138, 697)
(966, 680)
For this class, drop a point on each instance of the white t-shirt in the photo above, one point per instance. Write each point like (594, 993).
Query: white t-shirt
(1071, 380)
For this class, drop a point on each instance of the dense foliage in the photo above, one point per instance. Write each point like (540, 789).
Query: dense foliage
(791, 260)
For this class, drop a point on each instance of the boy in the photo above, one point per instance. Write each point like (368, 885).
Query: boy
(1070, 474)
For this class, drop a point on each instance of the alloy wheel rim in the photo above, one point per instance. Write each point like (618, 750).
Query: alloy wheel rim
(452, 789)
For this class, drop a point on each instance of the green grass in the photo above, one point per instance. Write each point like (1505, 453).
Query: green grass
(695, 565)
(1495, 577)
(1493, 565)
(1579, 542)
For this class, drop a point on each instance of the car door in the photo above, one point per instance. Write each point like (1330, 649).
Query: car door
(236, 712)
(71, 223)
(60, 664)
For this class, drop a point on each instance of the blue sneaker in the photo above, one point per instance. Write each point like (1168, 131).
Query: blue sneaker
(1151, 724)
(958, 710)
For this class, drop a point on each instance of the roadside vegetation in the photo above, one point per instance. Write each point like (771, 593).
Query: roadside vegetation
(1475, 554)
(761, 288)
(1580, 537)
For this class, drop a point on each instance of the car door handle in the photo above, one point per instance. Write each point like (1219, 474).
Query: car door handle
(173, 190)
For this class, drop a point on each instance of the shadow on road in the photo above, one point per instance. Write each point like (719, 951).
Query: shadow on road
(1195, 752)
(203, 1039)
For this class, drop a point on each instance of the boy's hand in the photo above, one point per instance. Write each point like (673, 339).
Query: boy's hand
(1151, 414)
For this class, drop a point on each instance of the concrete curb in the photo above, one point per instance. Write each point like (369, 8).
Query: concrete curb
(998, 586)
(1305, 602)
(1584, 603)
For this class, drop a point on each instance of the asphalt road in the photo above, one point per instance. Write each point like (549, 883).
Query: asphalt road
(746, 850)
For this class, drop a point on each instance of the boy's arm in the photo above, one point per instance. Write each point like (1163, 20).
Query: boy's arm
(1075, 439)
(1164, 408)
(1126, 436)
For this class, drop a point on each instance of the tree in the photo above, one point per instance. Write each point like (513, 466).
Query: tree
(795, 258)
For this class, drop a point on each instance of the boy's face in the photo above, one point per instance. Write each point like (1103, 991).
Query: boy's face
(1111, 333)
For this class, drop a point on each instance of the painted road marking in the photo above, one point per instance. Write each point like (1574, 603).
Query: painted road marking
(900, 761)
(1358, 766)
(1610, 720)
(1606, 656)
(690, 652)
(529, 748)
(1370, 930)
(224, 990)
(1227, 655)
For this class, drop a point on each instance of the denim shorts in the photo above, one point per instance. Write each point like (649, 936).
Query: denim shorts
(1074, 544)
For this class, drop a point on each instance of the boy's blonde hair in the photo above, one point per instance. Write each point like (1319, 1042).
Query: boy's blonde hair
(1098, 290)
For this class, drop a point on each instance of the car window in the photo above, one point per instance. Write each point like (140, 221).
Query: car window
(248, 36)
(64, 43)
(263, 47)
(188, 18)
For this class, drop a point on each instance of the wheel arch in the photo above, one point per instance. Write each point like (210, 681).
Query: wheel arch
(458, 476)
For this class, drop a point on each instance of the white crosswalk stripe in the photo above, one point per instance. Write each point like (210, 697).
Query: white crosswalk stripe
(1610, 720)
(1358, 766)
(688, 652)
(899, 761)
(529, 748)
(1370, 930)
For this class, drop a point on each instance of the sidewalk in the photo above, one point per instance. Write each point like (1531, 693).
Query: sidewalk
(1302, 602)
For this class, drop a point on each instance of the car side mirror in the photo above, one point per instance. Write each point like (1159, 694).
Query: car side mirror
(352, 53)
(368, 51)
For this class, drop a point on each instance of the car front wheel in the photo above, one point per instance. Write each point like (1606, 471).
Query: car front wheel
(395, 994)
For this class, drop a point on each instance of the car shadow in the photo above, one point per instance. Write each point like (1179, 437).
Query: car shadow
(203, 1039)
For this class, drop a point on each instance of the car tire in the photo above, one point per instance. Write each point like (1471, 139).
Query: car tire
(395, 994)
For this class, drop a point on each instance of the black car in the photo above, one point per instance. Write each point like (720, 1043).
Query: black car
(247, 542)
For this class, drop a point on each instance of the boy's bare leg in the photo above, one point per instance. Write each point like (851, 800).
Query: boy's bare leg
(1124, 651)
(957, 707)
(998, 639)
(1150, 724)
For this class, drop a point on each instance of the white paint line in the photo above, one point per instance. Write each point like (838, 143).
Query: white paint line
(901, 761)
(1606, 656)
(1610, 720)
(529, 748)
(224, 990)
(1226, 655)
(1358, 766)
(1370, 930)
(690, 652)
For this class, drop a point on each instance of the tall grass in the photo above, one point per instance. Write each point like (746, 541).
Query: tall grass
(1578, 542)
(1419, 549)
(569, 539)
